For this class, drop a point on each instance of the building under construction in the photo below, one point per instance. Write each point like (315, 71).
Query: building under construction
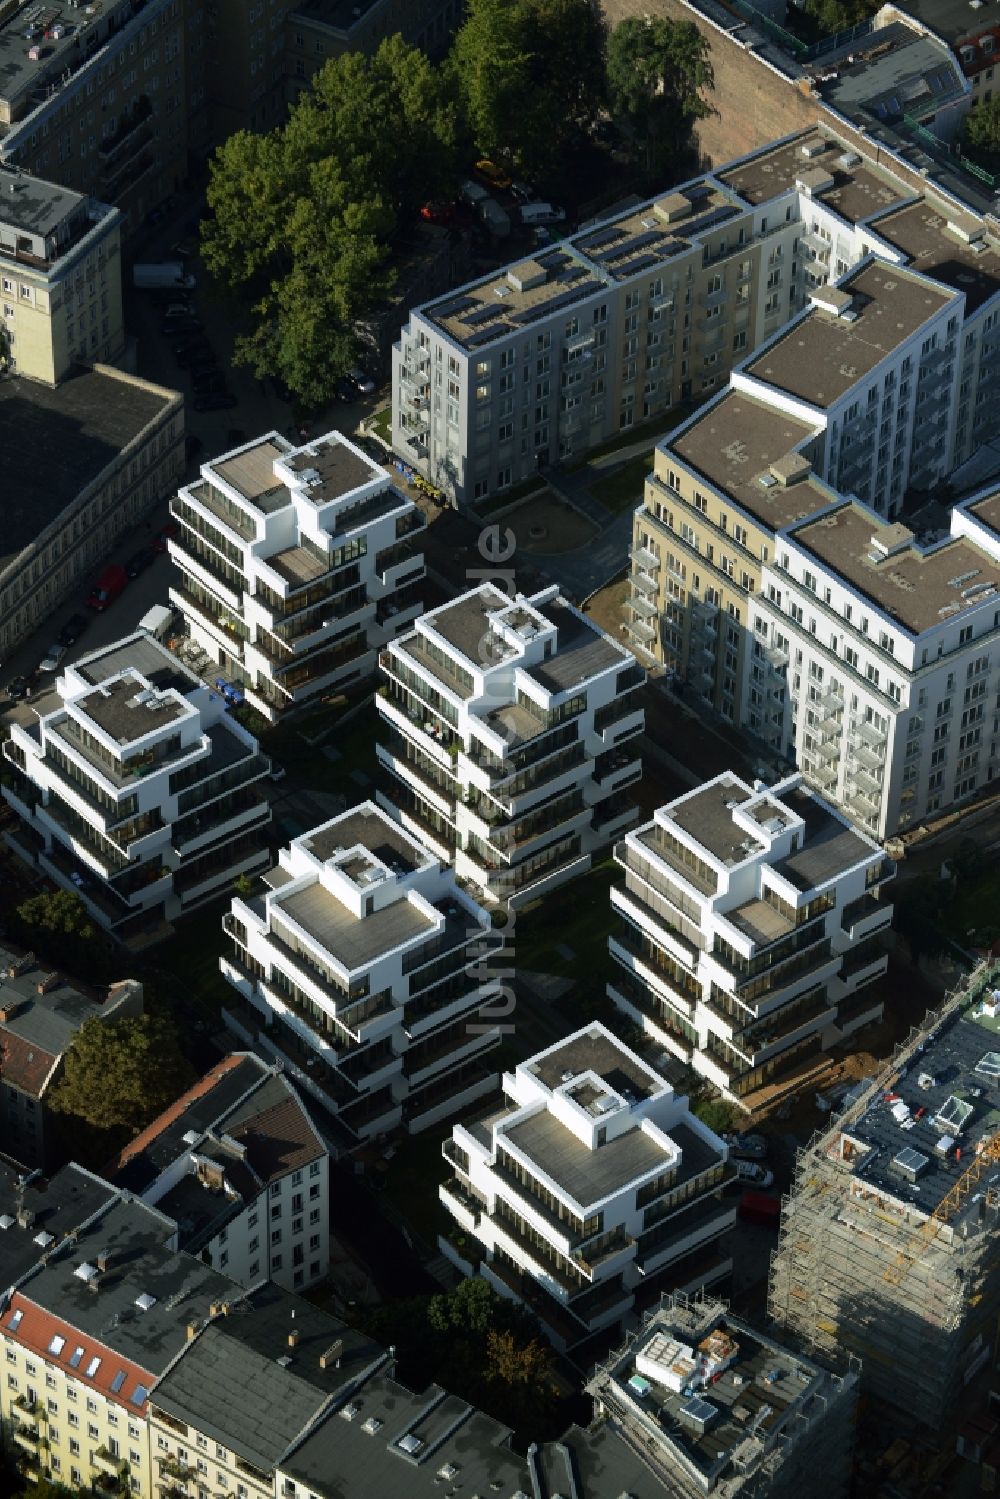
(888, 1244)
(713, 1406)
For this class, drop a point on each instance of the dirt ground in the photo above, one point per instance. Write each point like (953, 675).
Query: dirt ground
(563, 528)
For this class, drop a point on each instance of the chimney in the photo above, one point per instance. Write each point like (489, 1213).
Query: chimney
(49, 981)
(25, 1218)
(8, 1010)
(192, 1331)
(332, 1354)
(293, 1338)
(103, 1260)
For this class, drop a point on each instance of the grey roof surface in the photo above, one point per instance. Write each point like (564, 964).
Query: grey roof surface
(465, 622)
(707, 816)
(921, 232)
(375, 831)
(258, 1406)
(950, 1059)
(57, 1204)
(115, 708)
(339, 1458)
(917, 72)
(587, 1176)
(596, 1053)
(48, 1020)
(950, 19)
(341, 470)
(582, 651)
(858, 190)
(352, 940)
(140, 651)
(28, 203)
(135, 1237)
(56, 442)
(829, 846)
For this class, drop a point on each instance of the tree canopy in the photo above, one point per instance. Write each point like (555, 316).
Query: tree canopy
(658, 71)
(303, 219)
(58, 927)
(119, 1074)
(981, 127)
(529, 74)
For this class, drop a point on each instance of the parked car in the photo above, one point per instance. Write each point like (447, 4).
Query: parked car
(753, 1174)
(197, 352)
(73, 629)
(139, 561)
(438, 213)
(363, 383)
(50, 661)
(746, 1147)
(112, 582)
(756, 1208)
(487, 171)
(178, 309)
(187, 323)
(220, 400)
(168, 533)
(521, 192)
(22, 686)
(209, 381)
(344, 390)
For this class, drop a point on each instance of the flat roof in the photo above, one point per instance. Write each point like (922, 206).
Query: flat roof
(961, 1061)
(341, 470)
(600, 1053)
(921, 232)
(141, 653)
(858, 190)
(128, 710)
(512, 298)
(251, 473)
(829, 847)
(352, 940)
(29, 203)
(56, 442)
(369, 826)
(344, 15)
(707, 816)
(57, 1205)
(733, 443)
(988, 512)
(950, 19)
(582, 650)
(822, 355)
(918, 589)
(587, 1176)
(465, 624)
(259, 1405)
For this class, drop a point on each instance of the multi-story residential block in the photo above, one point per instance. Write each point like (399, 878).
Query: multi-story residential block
(321, 29)
(95, 100)
(135, 788)
(89, 1330)
(888, 1239)
(749, 933)
(511, 731)
(557, 353)
(591, 1190)
(32, 1205)
(241, 1167)
(41, 1013)
(296, 564)
(60, 278)
(82, 464)
(716, 1406)
(365, 969)
(249, 1386)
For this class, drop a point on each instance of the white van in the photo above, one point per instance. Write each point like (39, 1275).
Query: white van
(534, 214)
(160, 621)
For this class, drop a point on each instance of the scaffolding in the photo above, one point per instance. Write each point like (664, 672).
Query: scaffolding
(915, 1295)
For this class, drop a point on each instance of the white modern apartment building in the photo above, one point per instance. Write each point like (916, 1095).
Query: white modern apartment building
(623, 320)
(134, 787)
(365, 969)
(894, 669)
(590, 1191)
(296, 564)
(240, 1166)
(749, 931)
(511, 729)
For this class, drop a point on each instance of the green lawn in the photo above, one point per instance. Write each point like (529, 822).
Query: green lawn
(577, 917)
(411, 1181)
(381, 423)
(307, 764)
(975, 906)
(622, 490)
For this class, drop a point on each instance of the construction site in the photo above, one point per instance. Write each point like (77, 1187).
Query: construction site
(888, 1237)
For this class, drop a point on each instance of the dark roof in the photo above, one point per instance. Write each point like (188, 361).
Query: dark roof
(143, 654)
(57, 1204)
(465, 623)
(587, 1176)
(135, 1238)
(340, 1457)
(582, 651)
(276, 1130)
(231, 1385)
(56, 442)
(829, 846)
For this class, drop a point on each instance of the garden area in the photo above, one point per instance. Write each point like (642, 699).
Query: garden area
(623, 489)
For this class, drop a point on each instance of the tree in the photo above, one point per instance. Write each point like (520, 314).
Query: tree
(119, 1074)
(716, 1113)
(657, 72)
(514, 1363)
(45, 1488)
(303, 219)
(58, 927)
(530, 73)
(832, 16)
(981, 127)
(471, 1307)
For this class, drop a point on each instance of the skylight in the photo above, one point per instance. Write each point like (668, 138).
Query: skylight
(15, 1321)
(57, 1345)
(118, 1381)
(93, 1366)
(74, 1362)
(139, 1395)
(145, 1301)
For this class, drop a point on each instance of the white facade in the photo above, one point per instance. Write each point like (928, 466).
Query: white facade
(591, 1180)
(749, 922)
(138, 791)
(366, 962)
(511, 732)
(295, 566)
(893, 666)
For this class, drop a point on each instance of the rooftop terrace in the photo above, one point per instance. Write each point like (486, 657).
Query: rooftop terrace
(917, 589)
(596, 1051)
(587, 1176)
(822, 356)
(128, 709)
(330, 469)
(373, 830)
(921, 232)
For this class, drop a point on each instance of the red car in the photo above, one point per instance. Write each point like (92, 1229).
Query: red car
(167, 534)
(438, 213)
(107, 588)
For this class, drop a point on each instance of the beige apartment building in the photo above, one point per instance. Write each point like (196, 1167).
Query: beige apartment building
(60, 278)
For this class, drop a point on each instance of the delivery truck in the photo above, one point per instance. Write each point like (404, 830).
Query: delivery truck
(164, 275)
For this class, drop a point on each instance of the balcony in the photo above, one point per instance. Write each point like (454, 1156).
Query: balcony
(109, 1462)
(865, 916)
(462, 1205)
(643, 557)
(27, 1438)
